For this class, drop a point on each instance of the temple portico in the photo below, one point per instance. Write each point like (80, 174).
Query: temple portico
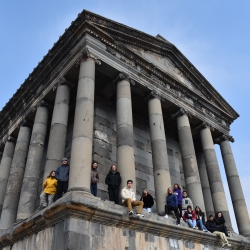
(114, 102)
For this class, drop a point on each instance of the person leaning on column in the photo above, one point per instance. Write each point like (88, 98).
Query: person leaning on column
(62, 176)
(128, 199)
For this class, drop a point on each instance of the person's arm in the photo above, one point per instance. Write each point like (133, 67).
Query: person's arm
(55, 183)
(184, 216)
(193, 215)
(203, 218)
(176, 201)
(45, 183)
(57, 173)
(119, 180)
(107, 180)
(124, 195)
(97, 177)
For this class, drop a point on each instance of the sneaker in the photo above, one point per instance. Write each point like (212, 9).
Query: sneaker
(229, 245)
(204, 230)
(140, 215)
(179, 225)
(130, 213)
(224, 244)
(166, 216)
(194, 227)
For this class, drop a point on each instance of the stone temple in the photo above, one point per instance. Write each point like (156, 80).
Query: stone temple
(113, 94)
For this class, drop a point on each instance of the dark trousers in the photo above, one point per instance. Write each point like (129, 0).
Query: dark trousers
(114, 194)
(175, 209)
(93, 189)
(62, 188)
(180, 210)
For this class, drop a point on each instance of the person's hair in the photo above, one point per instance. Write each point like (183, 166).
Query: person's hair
(116, 169)
(189, 207)
(129, 181)
(178, 187)
(198, 212)
(222, 217)
(184, 192)
(143, 195)
(50, 174)
(93, 163)
(210, 216)
(168, 190)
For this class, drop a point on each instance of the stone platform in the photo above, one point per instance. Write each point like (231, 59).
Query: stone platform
(81, 221)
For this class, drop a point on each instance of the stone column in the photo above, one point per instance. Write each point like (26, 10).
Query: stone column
(27, 202)
(205, 184)
(190, 167)
(124, 130)
(162, 179)
(58, 129)
(5, 168)
(213, 173)
(236, 192)
(81, 151)
(11, 199)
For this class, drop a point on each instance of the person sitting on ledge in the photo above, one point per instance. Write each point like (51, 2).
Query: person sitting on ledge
(128, 199)
(200, 219)
(190, 217)
(220, 222)
(172, 204)
(148, 200)
(213, 228)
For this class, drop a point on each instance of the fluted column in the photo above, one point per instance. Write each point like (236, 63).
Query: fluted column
(190, 167)
(27, 202)
(11, 199)
(205, 184)
(81, 152)
(213, 173)
(58, 129)
(124, 130)
(162, 179)
(5, 167)
(236, 192)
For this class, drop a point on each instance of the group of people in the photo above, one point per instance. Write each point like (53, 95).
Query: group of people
(57, 183)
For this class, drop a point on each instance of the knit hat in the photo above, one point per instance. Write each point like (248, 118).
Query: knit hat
(64, 159)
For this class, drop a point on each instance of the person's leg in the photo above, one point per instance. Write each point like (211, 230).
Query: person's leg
(149, 209)
(65, 187)
(225, 230)
(127, 203)
(116, 195)
(199, 224)
(194, 223)
(43, 200)
(95, 190)
(166, 209)
(180, 210)
(189, 222)
(50, 199)
(59, 190)
(111, 194)
(222, 237)
(139, 204)
(177, 215)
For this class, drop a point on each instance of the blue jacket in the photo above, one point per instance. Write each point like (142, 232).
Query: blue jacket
(62, 173)
(171, 200)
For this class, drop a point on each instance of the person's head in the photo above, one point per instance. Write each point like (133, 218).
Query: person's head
(219, 214)
(170, 190)
(64, 161)
(184, 194)
(211, 217)
(52, 173)
(129, 183)
(144, 193)
(94, 164)
(113, 168)
(189, 208)
(176, 186)
(197, 209)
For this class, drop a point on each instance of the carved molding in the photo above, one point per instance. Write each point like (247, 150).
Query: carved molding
(124, 76)
(181, 112)
(224, 138)
(202, 126)
(86, 55)
(154, 94)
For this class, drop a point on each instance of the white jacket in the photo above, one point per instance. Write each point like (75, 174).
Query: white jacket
(127, 193)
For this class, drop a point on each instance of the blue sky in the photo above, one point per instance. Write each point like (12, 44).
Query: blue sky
(214, 35)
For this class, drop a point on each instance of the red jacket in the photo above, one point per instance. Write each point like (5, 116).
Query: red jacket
(187, 215)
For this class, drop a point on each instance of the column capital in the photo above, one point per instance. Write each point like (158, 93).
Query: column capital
(61, 80)
(11, 139)
(181, 112)
(26, 123)
(154, 94)
(203, 125)
(223, 138)
(124, 76)
(86, 55)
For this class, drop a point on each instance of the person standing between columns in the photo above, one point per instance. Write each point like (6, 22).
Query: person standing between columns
(94, 178)
(236, 192)
(213, 172)
(190, 167)
(62, 176)
(178, 193)
(162, 178)
(50, 185)
(129, 200)
(5, 167)
(124, 129)
(81, 151)
(12, 195)
(186, 201)
(113, 180)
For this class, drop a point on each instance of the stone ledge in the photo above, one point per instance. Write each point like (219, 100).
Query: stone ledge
(83, 206)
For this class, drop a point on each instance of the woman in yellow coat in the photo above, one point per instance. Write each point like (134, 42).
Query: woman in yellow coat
(49, 191)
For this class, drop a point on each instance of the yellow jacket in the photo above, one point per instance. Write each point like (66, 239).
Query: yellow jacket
(50, 185)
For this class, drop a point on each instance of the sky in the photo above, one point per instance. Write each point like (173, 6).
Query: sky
(214, 35)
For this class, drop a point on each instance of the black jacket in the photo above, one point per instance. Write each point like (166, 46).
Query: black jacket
(200, 216)
(211, 226)
(148, 201)
(219, 221)
(113, 180)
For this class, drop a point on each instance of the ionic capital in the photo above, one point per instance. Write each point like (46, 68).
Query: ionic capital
(63, 81)
(154, 94)
(11, 139)
(223, 138)
(26, 123)
(124, 76)
(86, 55)
(202, 126)
(181, 112)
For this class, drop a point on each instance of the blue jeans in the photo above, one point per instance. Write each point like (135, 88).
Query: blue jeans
(93, 189)
(200, 225)
(191, 223)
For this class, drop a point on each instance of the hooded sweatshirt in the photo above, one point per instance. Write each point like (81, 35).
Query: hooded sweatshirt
(186, 201)
(178, 194)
